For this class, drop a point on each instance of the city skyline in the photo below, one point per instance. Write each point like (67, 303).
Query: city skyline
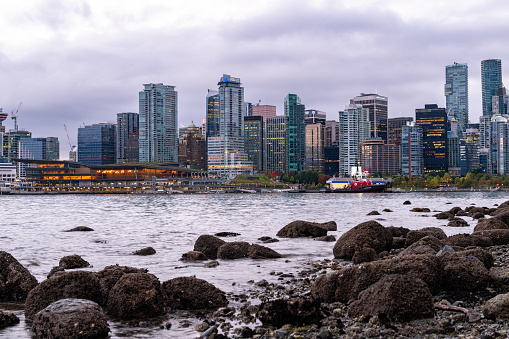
(84, 62)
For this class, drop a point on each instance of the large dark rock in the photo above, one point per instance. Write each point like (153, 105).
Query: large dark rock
(373, 213)
(233, 250)
(398, 242)
(15, 280)
(502, 214)
(498, 237)
(484, 256)
(8, 319)
(137, 295)
(71, 318)
(416, 235)
(427, 245)
(295, 311)
(367, 234)
(327, 238)
(110, 275)
(193, 256)
(261, 252)
(444, 215)
(464, 273)
(145, 251)
(490, 224)
(455, 210)
(347, 283)
(364, 254)
(407, 202)
(398, 231)
(73, 261)
(477, 210)
(503, 205)
(497, 307)
(190, 293)
(457, 222)
(80, 229)
(466, 240)
(399, 297)
(420, 209)
(208, 245)
(299, 228)
(78, 285)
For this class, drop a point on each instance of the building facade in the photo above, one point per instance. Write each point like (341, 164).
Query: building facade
(412, 163)
(265, 111)
(331, 163)
(158, 121)
(354, 128)
(377, 156)
(96, 144)
(434, 123)
(275, 147)
(128, 137)
(315, 143)
(378, 107)
(253, 141)
(491, 81)
(193, 148)
(394, 128)
(296, 134)
(456, 93)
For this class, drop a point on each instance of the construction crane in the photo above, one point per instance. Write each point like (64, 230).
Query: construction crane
(15, 117)
(69, 139)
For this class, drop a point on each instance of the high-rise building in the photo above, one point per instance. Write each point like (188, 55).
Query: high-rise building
(212, 129)
(394, 126)
(226, 156)
(491, 81)
(377, 156)
(266, 111)
(253, 141)
(456, 93)
(315, 143)
(193, 148)
(331, 163)
(96, 144)
(378, 107)
(434, 124)
(313, 116)
(127, 137)
(499, 102)
(496, 122)
(3, 116)
(37, 149)
(469, 156)
(354, 128)
(11, 143)
(333, 127)
(275, 148)
(158, 121)
(296, 134)
(412, 163)
(247, 109)
(503, 148)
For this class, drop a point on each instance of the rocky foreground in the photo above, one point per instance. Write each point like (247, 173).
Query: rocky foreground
(383, 282)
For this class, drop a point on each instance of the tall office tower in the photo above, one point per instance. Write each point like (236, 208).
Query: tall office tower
(434, 123)
(193, 148)
(253, 141)
(11, 143)
(377, 156)
(158, 121)
(226, 156)
(266, 111)
(128, 137)
(275, 147)
(331, 163)
(485, 131)
(453, 147)
(96, 144)
(394, 127)
(456, 93)
(354, 128)
(491, 81)
(499, 102)
(204, 127)
(313, 116)
(212, 129)
(3, 116)
(315, 143)
(496, 122)
(52, 149)
(469, 156)
(333, 127)
(503, 148)
(247, 109)
(37, 149)
(296, 134)
(412, 162)
(378, 113)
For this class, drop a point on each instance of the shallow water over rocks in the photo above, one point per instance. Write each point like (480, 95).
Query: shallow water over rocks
(33, 232)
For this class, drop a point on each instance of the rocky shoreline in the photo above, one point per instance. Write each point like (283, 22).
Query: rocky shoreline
(388, 282)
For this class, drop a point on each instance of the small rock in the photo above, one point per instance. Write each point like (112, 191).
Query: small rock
(227, 234)
(193, 256)
(407, 202)
(145, 251)
(212, 264)
(201, 327)
(73, 261)
(80, 229)
(373, 213)
(8, 319)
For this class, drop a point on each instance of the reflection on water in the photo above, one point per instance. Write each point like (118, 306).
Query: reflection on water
(32, 231)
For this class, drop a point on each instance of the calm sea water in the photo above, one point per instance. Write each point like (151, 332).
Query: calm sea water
(32, 231)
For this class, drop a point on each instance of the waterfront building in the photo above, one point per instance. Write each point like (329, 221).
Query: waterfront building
(193, 148)
(378, 107)
(331, 162)
(253, 141)
(275, 147)
(354, 128)
(158, 121)
(456, 93)
(491, 81)
(265, 111)
(394, 127)
(412, 162)
(226, 156)
(377, 156)
(469, 156)
(212, 120)
(127, 137)
(10, 143)
(296, 134)
(96, 144)
(39, 149)
(7, 171)
(332, 126)
(434, 124)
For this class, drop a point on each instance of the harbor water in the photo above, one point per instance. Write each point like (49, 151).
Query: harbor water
(32, 230)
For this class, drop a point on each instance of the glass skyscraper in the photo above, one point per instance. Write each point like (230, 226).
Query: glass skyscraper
(378, 107)
(275, 148)
(491, 81)
(212, 124)
(253, 141)
(411, 150)
(158, 138)
(456, 93)
(434, 124)
(354, 128)
(127, 137)
(96, 144)
(296, 134)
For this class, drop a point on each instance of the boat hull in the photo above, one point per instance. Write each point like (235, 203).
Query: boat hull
(362, 189)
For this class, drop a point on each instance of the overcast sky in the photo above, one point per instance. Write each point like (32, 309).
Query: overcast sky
(76, 62)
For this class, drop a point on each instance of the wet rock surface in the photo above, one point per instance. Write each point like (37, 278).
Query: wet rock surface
(367, 234)
(299, 228)
(80, 229)
(15, 280)
(145, 251)
(208, 245)
(73, 261)
(261, 252)
(8, 319)
(233, 250)
(71, 318)
(190, 293)
(193, 256)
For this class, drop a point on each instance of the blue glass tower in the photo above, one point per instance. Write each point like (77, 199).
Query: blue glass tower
(456, 93)
(296, 133)
(491, 81)
(96, 144)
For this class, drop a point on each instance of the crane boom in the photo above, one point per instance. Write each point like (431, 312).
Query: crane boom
(69, 139)
(15, 117)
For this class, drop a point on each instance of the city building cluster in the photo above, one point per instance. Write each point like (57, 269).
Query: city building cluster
(237, 137)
